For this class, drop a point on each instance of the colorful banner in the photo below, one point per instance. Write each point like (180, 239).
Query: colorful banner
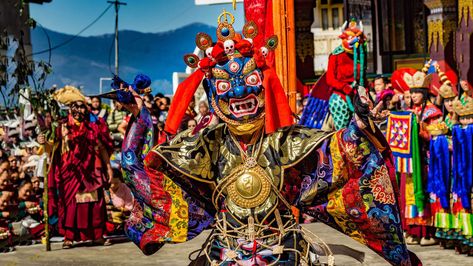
(398, 134)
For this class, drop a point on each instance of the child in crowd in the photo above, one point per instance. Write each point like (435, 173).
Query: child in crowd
(119, 204)
(6, 244)
(26, 224)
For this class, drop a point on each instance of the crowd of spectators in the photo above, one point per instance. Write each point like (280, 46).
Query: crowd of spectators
(24, 163)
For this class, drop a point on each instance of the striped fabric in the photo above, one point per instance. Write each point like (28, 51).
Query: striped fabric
(403, 165)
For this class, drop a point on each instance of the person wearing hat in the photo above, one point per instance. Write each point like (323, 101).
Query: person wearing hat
(29, 127)
(414, 196)
(13, 136)
(440, 163)
(79, 171)
(462, 184)
(425, 110)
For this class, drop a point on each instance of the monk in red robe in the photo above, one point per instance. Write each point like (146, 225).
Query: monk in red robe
(80, 170)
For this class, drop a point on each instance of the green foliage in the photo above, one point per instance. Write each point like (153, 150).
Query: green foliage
(21, 76)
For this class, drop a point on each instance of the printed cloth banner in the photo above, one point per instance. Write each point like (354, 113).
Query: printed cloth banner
(398, 134)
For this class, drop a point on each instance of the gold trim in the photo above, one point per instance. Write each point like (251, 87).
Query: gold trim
(182, 172)
(249, 66)
(220, 74)
(251, 188)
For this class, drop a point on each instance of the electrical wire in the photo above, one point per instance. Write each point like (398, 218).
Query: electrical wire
(48, 38)
(75, 36)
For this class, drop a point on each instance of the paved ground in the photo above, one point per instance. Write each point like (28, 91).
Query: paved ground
(172, 255)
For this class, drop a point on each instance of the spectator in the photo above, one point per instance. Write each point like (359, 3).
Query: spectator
(379, 85)
(6, 205)
(97, 109)
(157, 98)
(148, 100)
(407, 101)
(115, 119)
(190, 114)
(152, 108)
(119, 201)
(25, 193)
(191, 124)
(161, 136)
(163, 106)
(5, 182)
(37, 187)
(13, 163)
(13, 135)
(29, 127)
(203, 111)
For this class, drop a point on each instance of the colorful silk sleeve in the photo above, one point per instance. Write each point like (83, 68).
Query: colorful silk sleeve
(164, 211)
(353, 189)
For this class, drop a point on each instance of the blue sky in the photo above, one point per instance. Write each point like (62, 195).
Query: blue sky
(71, 16)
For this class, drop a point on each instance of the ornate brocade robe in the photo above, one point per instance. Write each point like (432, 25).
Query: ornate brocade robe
(340, 178)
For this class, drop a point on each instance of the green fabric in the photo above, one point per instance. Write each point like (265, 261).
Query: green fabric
(466, 224)
(449, 122)
(363, 52)
(359, 58)
(338, 50)
(340, 111)
(22, 205)
(350, 104)
(444, 220)
(355, 61)
(463, 98)
(417, 167)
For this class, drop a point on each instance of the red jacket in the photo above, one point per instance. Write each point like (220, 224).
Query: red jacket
(340, 73)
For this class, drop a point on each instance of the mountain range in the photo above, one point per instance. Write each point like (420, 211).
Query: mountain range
(84, 60)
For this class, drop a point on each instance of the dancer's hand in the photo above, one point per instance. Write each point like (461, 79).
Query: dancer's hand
(135, 107)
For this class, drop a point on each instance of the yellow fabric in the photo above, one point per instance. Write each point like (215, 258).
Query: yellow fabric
(179, 215)
(410, 199)
(335, 205)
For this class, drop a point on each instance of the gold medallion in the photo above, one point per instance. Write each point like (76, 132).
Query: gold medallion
(251, 187)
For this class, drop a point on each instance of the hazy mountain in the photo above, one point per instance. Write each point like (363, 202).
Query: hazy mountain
(85, 59)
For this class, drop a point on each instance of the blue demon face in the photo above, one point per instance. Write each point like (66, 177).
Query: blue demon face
(235, 90)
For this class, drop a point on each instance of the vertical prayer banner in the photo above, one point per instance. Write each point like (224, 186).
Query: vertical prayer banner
(398, 133)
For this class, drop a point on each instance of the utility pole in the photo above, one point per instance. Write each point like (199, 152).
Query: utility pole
(117, 6)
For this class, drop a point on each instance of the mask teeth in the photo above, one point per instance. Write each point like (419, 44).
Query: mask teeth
(426, 67)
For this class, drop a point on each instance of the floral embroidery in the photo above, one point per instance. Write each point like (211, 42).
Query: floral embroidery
(381, 186)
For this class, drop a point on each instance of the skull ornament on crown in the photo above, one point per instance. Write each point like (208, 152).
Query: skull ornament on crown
(352, 34)
(233, 70)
